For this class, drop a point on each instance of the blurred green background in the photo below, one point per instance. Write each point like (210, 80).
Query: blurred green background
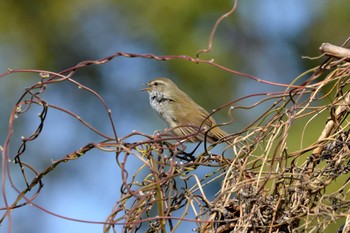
(262, 38)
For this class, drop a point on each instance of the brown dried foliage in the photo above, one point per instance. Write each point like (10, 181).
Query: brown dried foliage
(265, 185)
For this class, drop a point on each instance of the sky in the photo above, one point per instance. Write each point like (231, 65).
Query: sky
(88, 188)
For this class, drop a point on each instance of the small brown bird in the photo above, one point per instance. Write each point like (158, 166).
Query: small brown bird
(180, 111)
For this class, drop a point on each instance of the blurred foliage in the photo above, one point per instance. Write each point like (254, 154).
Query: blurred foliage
(55, 35)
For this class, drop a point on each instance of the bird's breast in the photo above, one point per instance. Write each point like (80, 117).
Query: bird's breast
(163, 106)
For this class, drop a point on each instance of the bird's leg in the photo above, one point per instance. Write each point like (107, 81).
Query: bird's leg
(189, 156)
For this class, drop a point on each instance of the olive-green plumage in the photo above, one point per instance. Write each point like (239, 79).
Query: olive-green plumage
(181, 112)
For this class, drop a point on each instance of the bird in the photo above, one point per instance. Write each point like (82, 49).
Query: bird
(181, 113)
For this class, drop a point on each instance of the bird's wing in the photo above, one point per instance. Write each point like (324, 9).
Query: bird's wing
(196, 116)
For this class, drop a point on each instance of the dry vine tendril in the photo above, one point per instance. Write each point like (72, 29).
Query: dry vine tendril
(267, 184)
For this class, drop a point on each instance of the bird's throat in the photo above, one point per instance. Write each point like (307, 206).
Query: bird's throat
(162, 105)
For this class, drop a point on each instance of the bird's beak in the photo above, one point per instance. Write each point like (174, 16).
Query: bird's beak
(148, 88)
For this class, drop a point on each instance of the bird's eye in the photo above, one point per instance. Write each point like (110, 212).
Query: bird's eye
(155, 84)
